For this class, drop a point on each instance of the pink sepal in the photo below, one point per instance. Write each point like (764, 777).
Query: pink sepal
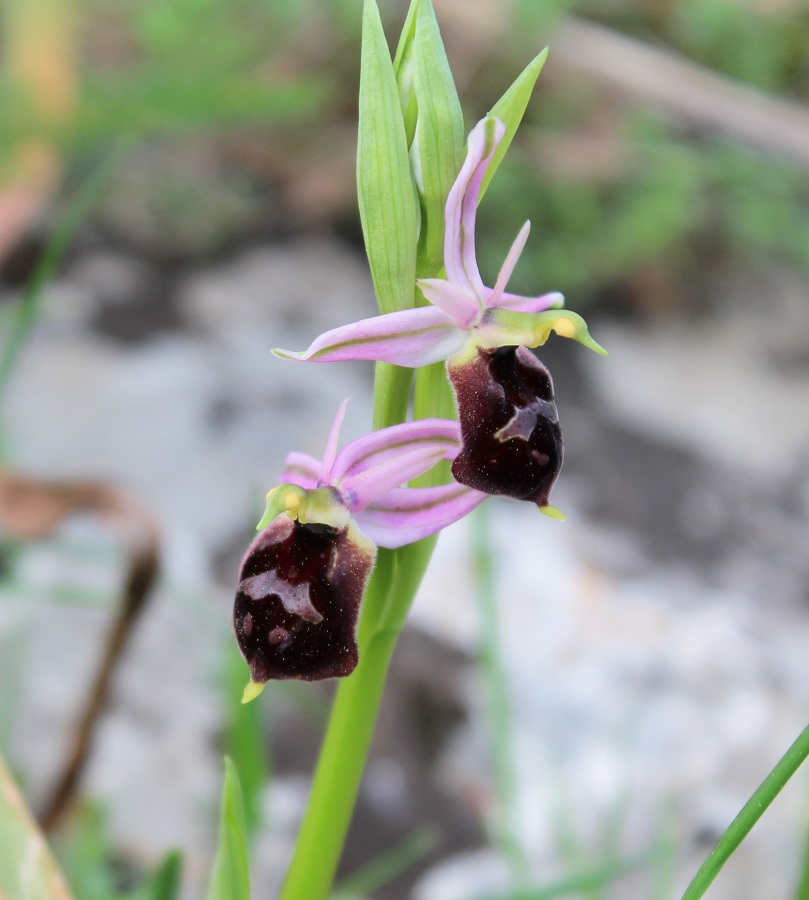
(410, 514)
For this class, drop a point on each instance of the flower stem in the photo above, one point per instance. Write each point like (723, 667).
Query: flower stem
(336, 783)
(750, 813)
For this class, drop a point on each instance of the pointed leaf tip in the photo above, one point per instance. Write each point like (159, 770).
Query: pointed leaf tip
(510, 109)
(230, 878)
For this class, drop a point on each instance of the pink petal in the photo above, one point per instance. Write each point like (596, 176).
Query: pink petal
(372, 484)
(410, 514)
(301, 469)
(508, 266)
(331, 444)
(410, 337)
(376, 448)
(554, 300)
(459, 237)
(453, 300)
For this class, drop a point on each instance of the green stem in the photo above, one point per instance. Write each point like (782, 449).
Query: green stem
(498, 709)
(391, 393)
(351, 725)
(750, 813)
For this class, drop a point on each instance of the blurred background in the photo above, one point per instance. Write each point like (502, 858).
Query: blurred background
(587, 703)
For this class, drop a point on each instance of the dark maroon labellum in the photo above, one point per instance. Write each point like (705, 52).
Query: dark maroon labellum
(298, 599)
(511, 439)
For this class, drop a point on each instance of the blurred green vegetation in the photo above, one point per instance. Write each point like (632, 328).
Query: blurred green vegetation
(669, 198)
(658, 197)
(95, 872)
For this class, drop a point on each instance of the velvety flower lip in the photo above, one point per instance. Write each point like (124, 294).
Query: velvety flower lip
(297, 602)
(463, 313)
(512, 442)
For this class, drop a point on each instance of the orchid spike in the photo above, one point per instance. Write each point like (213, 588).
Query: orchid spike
(511, 439)
(303, 577)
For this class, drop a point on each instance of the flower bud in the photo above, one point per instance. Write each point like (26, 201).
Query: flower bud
(511, 442)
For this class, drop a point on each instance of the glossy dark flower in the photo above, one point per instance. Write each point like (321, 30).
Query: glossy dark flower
(298, 599)
(510, 434)
(303, 578)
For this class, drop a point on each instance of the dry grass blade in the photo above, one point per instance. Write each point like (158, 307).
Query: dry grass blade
(27, 868)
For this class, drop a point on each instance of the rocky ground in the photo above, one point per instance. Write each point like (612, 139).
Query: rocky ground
(655, 643)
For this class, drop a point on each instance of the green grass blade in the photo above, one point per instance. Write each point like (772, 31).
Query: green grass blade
(500, 732)
(166, 882)
(575, 885)
(244, 740)
(230, 879)
(382, 870)
(750, 813)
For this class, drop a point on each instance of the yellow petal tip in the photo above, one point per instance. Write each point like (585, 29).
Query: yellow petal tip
(251, 691)
(553, 512)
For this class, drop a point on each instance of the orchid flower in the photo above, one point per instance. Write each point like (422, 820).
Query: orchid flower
(303, 577)
(511, 441)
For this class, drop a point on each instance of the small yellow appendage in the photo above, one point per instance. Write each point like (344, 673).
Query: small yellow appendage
(292, 504)
(251, 691)
(564, 328)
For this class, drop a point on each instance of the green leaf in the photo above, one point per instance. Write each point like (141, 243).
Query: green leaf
(166, 882)
(243, 736)
(84, 854)
(27, 868)
(510, 109)
(437, 151)
(230, 879)
(388, 204)
(403, 70)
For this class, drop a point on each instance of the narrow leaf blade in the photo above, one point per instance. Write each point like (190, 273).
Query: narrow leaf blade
(387, 197)
(230, 879)
(403, 69)
(510, 109)
(166, 882)
(439, 140)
